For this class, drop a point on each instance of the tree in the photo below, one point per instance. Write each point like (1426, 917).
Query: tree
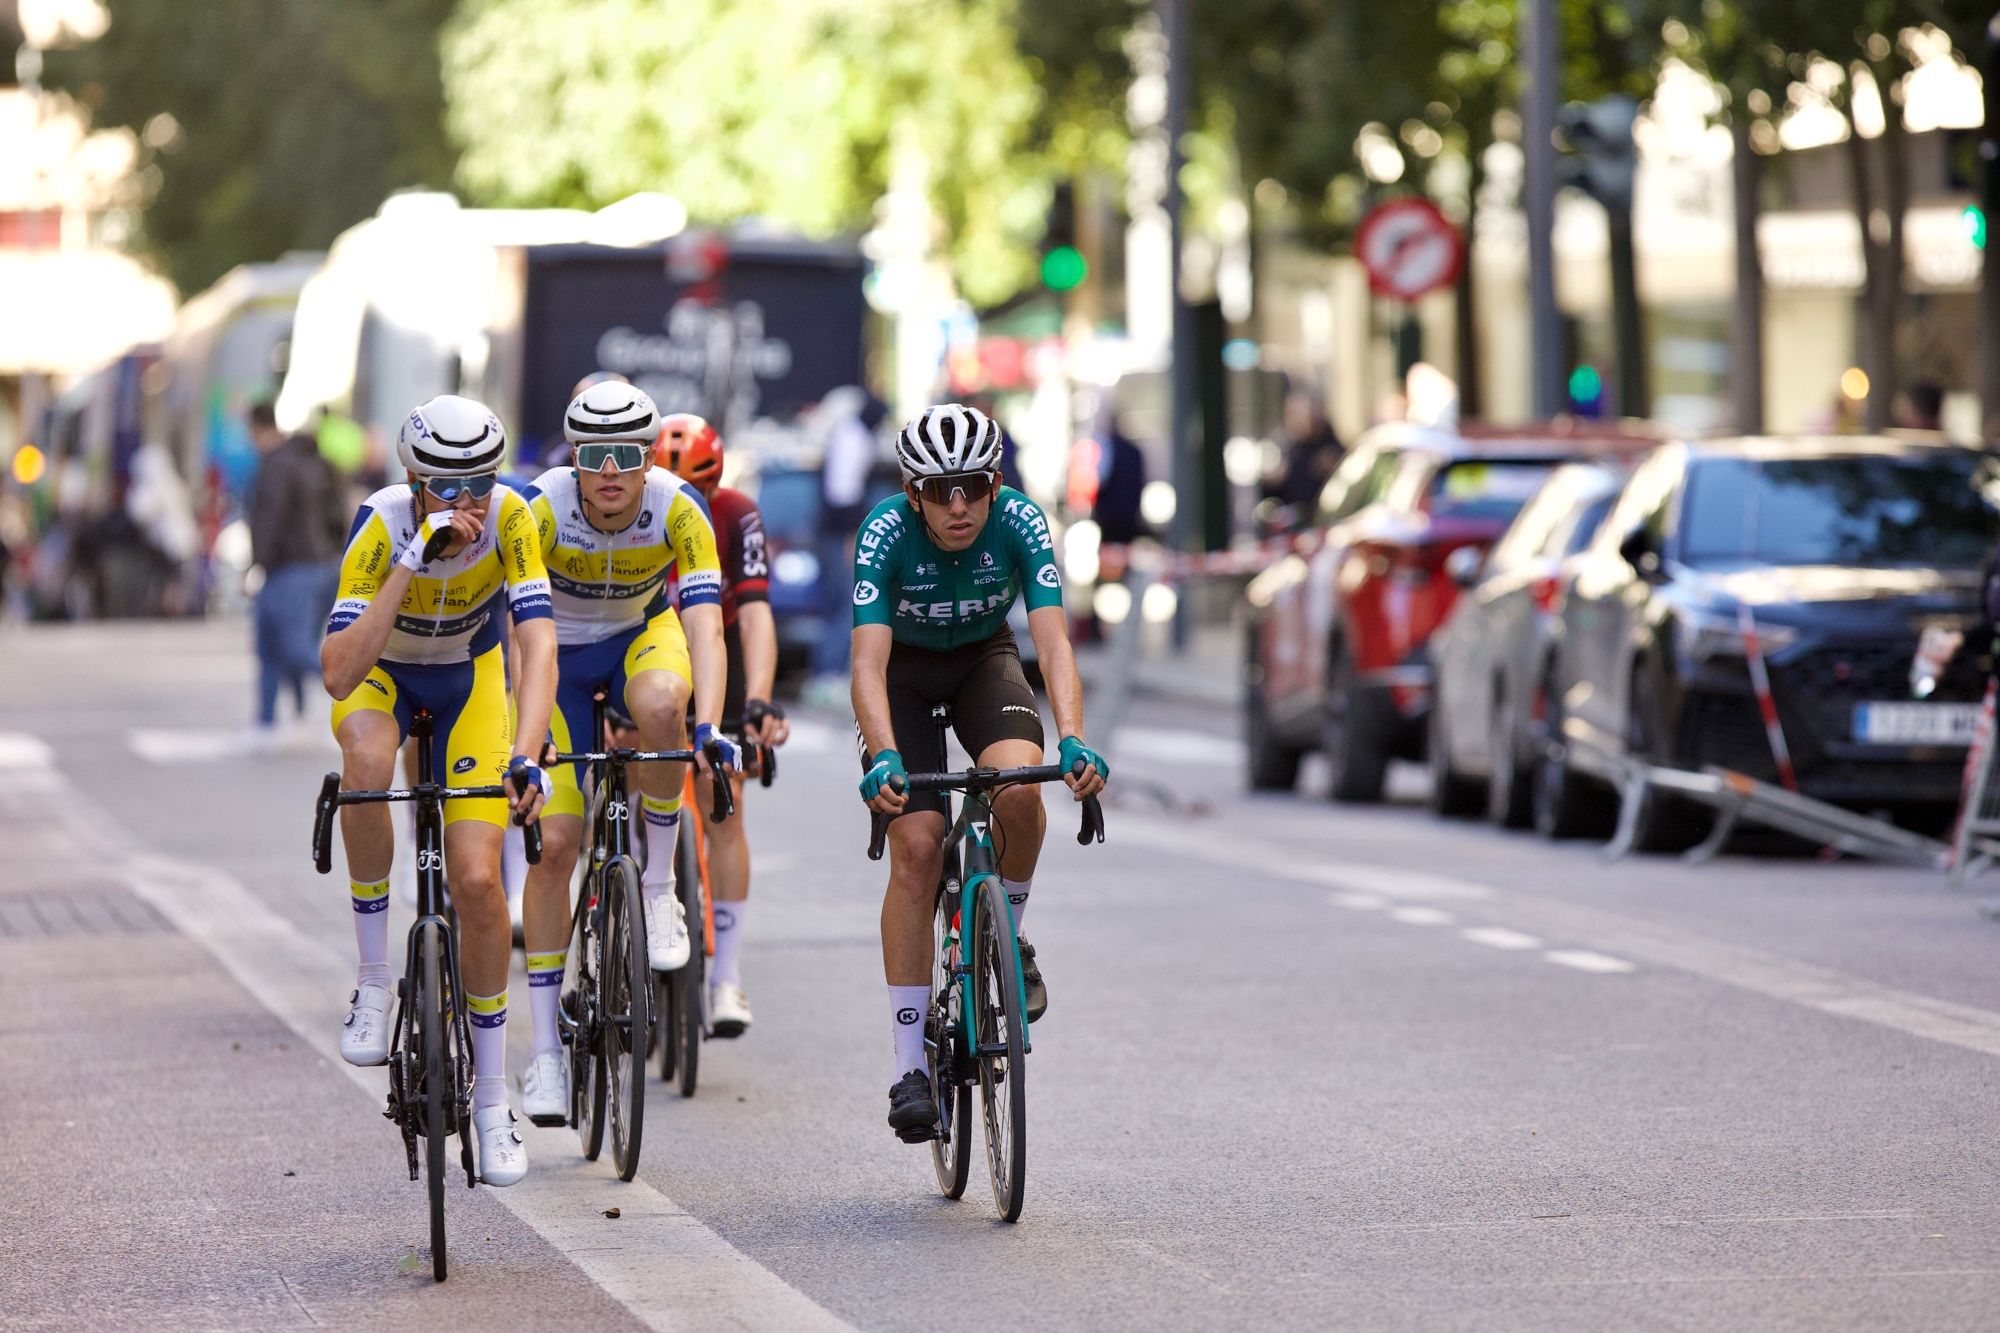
(270, 125)
(789, 110)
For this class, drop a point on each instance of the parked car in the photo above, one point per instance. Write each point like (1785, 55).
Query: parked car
(1837, 554)
(789, 499)
(1490, 712)
(1338, 627)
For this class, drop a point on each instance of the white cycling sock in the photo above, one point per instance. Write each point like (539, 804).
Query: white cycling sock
(488, 1014)
(1017, 896)
(907, 1005)
(662, 826)
(545, 977)
(728, 942)
(371, 931)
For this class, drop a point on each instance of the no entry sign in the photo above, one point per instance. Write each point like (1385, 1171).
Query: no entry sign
(1408, 248)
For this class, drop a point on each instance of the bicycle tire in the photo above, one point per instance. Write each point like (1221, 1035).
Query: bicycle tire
(688, 980)
(587, 1050)
(951, 1150)
(625, 988)
(437, 1090)
(667, 1023)
(1003, 1084)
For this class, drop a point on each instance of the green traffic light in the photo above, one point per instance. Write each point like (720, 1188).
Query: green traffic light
(1064, 269)
(1975, 225)
(1585, 384)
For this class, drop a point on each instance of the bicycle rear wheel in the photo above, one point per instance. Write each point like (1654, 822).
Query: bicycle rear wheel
(951, 1150)
(437, 1084)
(689, 980)
(1001, 1022)
(625, 994)
(587, 1047)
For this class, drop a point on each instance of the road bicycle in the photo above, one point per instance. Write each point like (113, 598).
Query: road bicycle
(977, 1031)
(681, 998)
(605, 1013)
(430, 1047)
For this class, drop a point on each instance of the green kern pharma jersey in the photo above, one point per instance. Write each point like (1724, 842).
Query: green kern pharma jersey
(932, 598)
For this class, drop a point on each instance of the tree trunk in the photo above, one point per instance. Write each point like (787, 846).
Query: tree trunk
(1894, 155)
(1747, 325)
(1877, 351)
(1628, 320)
(1471, 394)
(1989, 272)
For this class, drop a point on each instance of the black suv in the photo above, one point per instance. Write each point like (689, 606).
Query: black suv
(1837, 555)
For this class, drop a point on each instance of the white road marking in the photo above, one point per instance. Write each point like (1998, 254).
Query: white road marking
(1176, 747)
(1359, 902)
(160, 746)
(1499, 937)
(20, 750)
(1622, 937)
(1584, 960)
(1421, 916)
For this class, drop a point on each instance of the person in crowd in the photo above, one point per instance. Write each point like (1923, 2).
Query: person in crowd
(849, 418)
(1920, 407)
(298, 528)
(1312, 453)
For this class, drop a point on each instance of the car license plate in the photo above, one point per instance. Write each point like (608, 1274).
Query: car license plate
(1915, 724)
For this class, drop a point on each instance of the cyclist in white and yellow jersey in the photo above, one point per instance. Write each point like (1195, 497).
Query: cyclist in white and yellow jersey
(432, 566)
(636, 586)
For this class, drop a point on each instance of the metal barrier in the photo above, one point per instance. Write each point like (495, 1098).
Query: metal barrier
(1975, 843)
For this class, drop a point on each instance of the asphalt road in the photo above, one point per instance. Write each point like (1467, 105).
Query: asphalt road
(1303, 1067)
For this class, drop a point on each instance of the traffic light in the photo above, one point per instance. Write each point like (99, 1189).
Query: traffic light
(1602, 158)
(1974, 222)
(1063, 265)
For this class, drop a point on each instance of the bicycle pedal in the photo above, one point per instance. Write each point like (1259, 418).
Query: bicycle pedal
(921, 1134)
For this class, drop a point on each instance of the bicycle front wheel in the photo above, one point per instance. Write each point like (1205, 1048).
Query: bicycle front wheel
(437, 1084)
(587, 1046)
(689, 980)
(624, 989)
(951, 1150)
(1001, 1022)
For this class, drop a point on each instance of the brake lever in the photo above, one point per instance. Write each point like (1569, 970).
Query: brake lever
(329, 797)
(725, 800)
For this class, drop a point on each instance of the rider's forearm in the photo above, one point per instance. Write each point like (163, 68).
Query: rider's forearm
(759, 631)
(535, 641)
(871, 688)
(1059, 676)
(349, 654)
(710, 660)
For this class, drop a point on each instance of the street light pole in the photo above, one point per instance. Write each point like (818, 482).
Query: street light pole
(1181, 415)
(1538, 124)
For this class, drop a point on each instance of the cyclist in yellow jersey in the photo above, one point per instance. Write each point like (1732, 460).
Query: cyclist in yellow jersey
(432, 566)
(636, 586)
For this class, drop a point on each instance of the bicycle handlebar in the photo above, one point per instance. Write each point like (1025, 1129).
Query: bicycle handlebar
(331, 797)
(985, 779)
(724, 803)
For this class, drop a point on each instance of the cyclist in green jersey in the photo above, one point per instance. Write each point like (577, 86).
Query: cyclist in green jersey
(935, 571)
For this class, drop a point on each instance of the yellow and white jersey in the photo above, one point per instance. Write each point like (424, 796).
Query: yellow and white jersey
(603, 583)
(452, 610)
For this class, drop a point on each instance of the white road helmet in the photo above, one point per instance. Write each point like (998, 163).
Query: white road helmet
(451, 436)
(948, 439)
(610, 412)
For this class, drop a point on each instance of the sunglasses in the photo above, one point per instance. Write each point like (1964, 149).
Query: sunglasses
(625, 457)
(974, 486)
(448, 489)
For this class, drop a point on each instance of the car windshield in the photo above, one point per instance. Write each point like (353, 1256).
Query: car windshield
(789, 502)
(1486, 489)
(1935, 508)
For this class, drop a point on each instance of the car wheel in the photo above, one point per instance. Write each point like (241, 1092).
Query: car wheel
(1274, 766)
(1351, 733)
(1662, 823)
(1510, 791)
(1563, 803)
(1453, 795)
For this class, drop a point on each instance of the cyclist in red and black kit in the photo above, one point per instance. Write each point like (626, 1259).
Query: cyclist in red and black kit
(689, 448)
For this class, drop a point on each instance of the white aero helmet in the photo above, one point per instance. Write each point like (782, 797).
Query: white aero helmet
(947, 439)
(451, 436)
(609, 412)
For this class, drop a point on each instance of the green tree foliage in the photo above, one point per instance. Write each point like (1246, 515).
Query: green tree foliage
(290, 119)
(788, 110)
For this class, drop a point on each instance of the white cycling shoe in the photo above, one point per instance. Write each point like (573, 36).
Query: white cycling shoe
(728, 1010)
(545, 1089)
(365, 1039)
(503, 1158)
(667, 946)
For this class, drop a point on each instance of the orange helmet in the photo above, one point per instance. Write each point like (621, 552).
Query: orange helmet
(688, 447)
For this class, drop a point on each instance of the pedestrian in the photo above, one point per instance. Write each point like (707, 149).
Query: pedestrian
(1920, 407)
(848, 419)
(1312, 454)
(298, 526)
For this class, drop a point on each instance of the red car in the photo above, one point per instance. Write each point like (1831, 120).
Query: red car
(1336, 656)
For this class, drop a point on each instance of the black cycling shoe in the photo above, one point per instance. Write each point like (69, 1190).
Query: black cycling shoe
(913, 1114)
(1031, 981)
